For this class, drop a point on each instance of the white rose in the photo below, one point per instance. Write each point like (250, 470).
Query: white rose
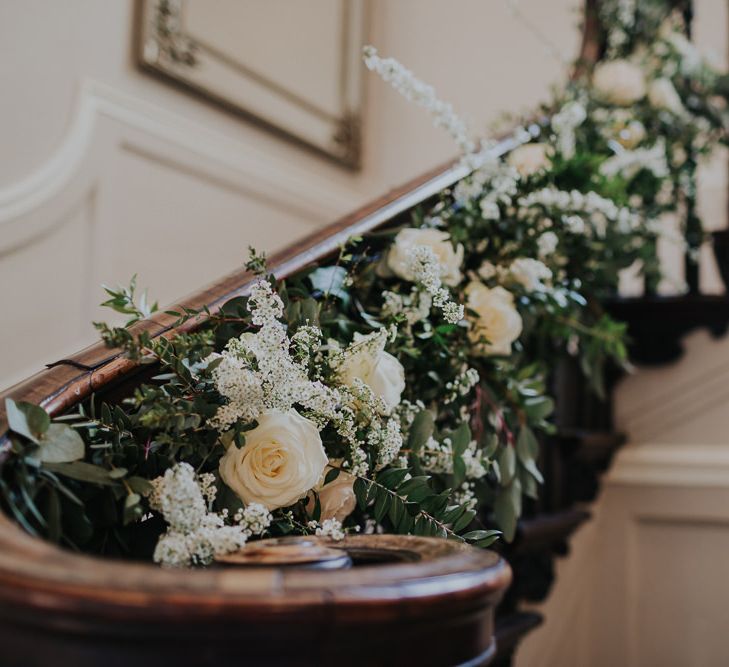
(530, 159)
(337, 499)
(489, 209)
(497, 318)
(378, 369)
(619, 82)
(283, 457)
(663, 95)
(450, 258)
(530, 273)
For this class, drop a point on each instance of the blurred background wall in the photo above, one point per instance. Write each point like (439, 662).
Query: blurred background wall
(106, 172)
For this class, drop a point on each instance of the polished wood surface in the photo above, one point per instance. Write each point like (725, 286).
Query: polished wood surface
(433, 607)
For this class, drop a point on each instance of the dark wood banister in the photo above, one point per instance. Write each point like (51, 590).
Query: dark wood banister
(68, 381)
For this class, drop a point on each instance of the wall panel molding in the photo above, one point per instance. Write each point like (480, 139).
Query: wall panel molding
(689, 465)
(69, 171)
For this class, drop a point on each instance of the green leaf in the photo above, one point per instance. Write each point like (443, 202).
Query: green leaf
(27, 419)
(527, 446)
(538, 408)
(360, 492)
(81, 471)
(132, 508)
(420, 430)
(61, 444)
(507, 509)
(463, 522)
(459, 471)
(488, 541)
(479, 535)
(53, 515)
(396, 511)
(330, 280)
(531, 468)
(382, 503)
(331, 475)
(460, 439)
(393, 477)
(140, 485)
(506, 459)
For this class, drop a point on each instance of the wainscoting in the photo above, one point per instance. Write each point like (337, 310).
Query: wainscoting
(646, 581)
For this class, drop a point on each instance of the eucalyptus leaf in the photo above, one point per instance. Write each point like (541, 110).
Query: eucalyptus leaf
(507, 509)
(506, 459)
(330, 280)
(27, 419)
(61, 444)
(81, 471)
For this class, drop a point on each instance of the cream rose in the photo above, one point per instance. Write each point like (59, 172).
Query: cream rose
(497, 318)
(663, 95)
(619, 82)
(283, 457)
(530, 159)
(450, 258)
(378, 369)
(337, 499)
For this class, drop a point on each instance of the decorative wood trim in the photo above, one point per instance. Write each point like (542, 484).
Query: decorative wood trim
(689, 465)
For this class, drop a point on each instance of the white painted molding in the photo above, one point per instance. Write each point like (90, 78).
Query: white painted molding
(302, 190)
(686, 465)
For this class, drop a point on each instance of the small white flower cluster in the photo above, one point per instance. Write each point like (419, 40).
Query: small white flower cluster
(546, 244)
(629, 163)
(331, 528)
(599, 209)
(254, 518)
(438, 457)
(387, 441)
(414, 307)
(623, 13)
(194, 535)
(494, 182)
(420, 93)
(564, 124)
(461, 385)
(530, 273)
(426, 271)
(257, 371)
(466, 495)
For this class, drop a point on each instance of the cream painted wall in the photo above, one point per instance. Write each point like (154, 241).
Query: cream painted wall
(105, 171)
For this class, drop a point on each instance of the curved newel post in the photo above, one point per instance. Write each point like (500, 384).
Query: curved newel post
(431, 602)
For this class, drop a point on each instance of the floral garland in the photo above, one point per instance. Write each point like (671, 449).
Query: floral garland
(401, 387)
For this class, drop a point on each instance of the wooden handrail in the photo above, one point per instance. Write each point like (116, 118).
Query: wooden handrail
(69, 381)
